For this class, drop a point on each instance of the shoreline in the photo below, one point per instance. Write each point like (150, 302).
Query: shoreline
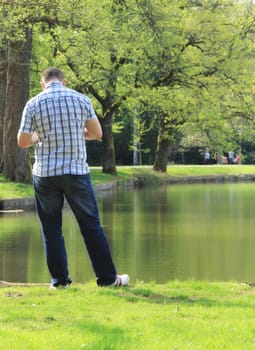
(16, 205)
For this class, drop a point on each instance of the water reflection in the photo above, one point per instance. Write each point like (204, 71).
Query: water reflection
(182, 231)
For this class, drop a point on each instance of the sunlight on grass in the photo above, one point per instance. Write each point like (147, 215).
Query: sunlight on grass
(199, 170)
(10, 189)
(176, 315)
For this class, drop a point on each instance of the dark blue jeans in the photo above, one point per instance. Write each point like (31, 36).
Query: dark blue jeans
(78, 191)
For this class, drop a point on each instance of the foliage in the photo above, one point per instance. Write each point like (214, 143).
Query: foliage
(226, 107)
(185, 67)
(180, 60)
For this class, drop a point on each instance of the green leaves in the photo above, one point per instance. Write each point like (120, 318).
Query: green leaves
(184, 62)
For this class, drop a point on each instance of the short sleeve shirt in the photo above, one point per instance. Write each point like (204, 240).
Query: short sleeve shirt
(58, 116)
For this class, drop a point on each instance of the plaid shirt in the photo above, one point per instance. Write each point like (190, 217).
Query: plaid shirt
(58, 115)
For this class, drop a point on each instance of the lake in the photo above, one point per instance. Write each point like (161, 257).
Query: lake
(193, 231)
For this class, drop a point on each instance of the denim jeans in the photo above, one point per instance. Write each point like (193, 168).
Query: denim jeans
(78, 191)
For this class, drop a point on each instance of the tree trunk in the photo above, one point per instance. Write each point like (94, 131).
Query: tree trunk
(108, 160)
(162, 154)
(15, 164)
(164, 141)
(3, 77)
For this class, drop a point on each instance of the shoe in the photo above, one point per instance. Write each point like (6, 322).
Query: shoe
(59, 286)
(121, 280)
(55, 284)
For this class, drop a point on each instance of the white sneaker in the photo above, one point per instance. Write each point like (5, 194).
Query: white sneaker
(121, 280)
(52, 287)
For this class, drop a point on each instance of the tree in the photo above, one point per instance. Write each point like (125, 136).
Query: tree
(181, 62)
(226, 103)
(3, 79)
(15, 166)
(105, 72)
(195, 49)
(15, 59)
(98, 46)
(15, 54)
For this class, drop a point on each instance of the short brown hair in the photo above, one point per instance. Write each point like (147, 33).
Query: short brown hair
(52, 73)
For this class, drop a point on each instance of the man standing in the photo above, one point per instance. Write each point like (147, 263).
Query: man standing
(57, 121)
(207, 157)
(231, 157)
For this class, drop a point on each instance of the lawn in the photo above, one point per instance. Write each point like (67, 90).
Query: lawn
(176, 315)
(10, 189)
(207, 170)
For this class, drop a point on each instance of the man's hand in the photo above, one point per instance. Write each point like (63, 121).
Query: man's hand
(93, 130)
(27, 140)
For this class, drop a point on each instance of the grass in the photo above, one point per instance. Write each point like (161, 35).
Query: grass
(203, 170)
(177, 315)
(143, 174)
(9, 189)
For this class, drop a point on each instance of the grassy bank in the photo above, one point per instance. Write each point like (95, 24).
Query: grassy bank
(174, 316)
(10, 189)
(177, 315)
(203, 170)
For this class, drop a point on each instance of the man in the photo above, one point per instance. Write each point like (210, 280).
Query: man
(231, 157)
(207, 157)
(57, 121)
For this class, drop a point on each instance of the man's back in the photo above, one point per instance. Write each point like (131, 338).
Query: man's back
(57, 120)
(58, 116)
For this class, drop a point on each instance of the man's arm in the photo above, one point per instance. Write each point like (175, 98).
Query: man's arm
(93, 130)
(26, 140)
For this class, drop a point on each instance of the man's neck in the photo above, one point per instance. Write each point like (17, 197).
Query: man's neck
(55, 81)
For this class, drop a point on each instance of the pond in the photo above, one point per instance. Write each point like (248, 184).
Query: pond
(198, 231)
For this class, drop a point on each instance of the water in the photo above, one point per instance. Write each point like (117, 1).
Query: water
(202, 232)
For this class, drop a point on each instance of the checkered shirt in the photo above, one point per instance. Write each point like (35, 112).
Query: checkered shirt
(58, 115)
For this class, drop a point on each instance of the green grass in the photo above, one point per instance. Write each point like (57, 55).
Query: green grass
(200, 170)
(10, 189)
(177, 315)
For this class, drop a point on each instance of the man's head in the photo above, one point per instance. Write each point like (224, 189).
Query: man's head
(52, 74)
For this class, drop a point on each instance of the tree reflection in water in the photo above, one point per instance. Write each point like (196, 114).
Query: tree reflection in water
(202, 231)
